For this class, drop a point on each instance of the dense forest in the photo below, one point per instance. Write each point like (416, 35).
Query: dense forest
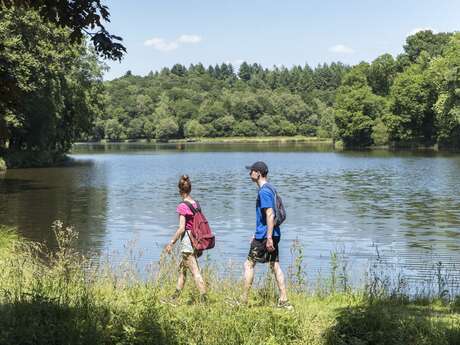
(52, 93)
(411, 100)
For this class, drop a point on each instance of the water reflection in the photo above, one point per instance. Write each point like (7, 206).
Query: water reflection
(31, 199)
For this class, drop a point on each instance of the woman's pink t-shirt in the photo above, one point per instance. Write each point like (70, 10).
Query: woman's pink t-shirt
(185, 211)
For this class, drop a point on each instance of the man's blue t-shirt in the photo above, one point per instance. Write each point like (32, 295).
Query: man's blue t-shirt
(266, 199)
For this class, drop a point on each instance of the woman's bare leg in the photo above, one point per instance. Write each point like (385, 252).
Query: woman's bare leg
(195, 270)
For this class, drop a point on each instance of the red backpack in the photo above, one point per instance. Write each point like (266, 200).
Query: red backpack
(201, 235)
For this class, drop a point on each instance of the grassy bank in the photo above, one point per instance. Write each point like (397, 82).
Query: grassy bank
(277, 139)
(274, 139)
(62, 298)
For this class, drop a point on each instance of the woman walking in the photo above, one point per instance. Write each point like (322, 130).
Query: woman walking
(188, 254)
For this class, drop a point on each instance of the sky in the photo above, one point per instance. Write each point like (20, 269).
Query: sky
(160, 34)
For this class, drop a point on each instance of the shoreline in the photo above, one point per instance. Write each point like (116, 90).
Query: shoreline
(204, 140)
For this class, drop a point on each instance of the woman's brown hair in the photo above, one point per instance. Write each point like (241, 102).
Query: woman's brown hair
(185, 185)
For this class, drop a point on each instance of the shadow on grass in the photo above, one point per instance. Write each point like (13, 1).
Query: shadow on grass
(394, 323)
(42, 322)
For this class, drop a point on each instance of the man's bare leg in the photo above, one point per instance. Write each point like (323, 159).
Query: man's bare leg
(248, 279)
(279, 276)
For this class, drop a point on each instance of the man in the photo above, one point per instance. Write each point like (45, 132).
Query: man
(264, 245)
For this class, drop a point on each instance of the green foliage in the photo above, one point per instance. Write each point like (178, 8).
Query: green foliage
(114, 130)
(49, 89)
(167, 128)
(194, 129)
(245, 128)
(445, 72)
(357, 108)
(81, 17)
(426, 41)
(412, 98)
(380, 133)
(223, 126)
(381, 74)
(224, 102)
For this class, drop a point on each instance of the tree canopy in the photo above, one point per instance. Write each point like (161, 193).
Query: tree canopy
(83, 18)
(50, 88)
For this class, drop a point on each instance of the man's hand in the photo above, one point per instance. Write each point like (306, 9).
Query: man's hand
(168, 248)
(270, 246)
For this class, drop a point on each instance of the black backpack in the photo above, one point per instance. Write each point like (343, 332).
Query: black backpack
(280, 211)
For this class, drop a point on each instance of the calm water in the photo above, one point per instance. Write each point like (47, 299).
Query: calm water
(404, 205)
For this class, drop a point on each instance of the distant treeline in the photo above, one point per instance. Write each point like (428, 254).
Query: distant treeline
(410, 100)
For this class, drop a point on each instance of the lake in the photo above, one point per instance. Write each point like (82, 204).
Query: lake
(399, 208)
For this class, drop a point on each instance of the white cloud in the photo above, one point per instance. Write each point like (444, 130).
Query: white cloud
(414, 31)
(189, 39)
(161, 44)
(341, 49)
(164, 45)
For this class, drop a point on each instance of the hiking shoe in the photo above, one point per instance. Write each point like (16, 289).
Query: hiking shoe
(203, 299)
(172, 300)
(284, 305)
(176, 294)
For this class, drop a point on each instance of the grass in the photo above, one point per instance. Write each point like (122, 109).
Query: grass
(61, 297)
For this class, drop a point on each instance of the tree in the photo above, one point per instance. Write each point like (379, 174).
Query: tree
(167, 128)
(49, 90)
(80, 16)
(245, 128)
(135, 129)
(426, 41)
(194, 129)
(412, 97)
(445, 74)
(244, 72)
(381, 74)
(224, 126)
(114, 130)
(357, 108)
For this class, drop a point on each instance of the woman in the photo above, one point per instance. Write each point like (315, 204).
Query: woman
(189, 255)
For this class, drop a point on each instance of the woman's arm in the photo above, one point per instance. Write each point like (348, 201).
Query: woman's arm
(180, 230)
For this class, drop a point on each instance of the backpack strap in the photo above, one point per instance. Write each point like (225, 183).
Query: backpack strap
(269, 186)
(193, 209)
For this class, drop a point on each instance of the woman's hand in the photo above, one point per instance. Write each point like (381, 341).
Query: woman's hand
(168, 248)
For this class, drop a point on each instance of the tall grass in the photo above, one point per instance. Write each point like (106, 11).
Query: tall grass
(61, 297)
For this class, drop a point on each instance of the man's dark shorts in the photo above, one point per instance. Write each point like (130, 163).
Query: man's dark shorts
(259, 253)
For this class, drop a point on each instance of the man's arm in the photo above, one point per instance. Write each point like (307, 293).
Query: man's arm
(270, 215)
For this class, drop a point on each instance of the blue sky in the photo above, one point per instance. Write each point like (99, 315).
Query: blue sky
(162, 33)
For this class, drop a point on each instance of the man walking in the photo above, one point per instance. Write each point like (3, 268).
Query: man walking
(264, 245)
